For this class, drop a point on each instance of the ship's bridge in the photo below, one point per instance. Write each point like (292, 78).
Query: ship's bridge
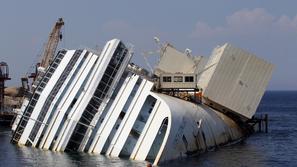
(178, 70)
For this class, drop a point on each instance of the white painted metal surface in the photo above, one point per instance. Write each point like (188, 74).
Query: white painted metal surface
(173, 61)
(86, 95)
(235, 79)
(121, 135)
(65, 102)
(183, 119)
(19, 113)
(55, 102)
(113, 114)
(149, 132)
(104, 103)
(146, 125)
(44, 95)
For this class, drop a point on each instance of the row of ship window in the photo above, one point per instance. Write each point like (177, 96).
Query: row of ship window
(178, 79)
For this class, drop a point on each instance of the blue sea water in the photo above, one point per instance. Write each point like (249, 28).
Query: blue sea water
(276, 148)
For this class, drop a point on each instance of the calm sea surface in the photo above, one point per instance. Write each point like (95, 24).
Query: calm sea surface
(277, 148)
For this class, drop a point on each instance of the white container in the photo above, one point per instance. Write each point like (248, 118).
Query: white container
(235, 80)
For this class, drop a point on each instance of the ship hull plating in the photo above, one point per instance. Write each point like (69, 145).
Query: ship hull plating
(100, 104)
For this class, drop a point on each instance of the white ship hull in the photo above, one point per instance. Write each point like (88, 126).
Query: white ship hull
(93, 103)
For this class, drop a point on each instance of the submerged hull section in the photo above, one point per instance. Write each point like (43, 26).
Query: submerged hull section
(144, 125)
(191, 129)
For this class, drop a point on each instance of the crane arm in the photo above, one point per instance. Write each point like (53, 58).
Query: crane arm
(52, 44)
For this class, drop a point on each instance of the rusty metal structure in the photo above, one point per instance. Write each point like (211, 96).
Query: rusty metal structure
(50, 48)
(52, 44)
(4, 76)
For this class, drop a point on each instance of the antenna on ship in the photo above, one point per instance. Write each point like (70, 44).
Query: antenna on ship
(157, 40)
(151, 53)
(145, 57)
(188, 52)
(160, 46)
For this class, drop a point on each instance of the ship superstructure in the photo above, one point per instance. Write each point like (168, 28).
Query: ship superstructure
(101, 103)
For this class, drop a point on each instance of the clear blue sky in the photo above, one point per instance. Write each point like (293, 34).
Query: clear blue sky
(267, 28)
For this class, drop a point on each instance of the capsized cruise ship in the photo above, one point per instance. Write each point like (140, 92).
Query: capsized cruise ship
(101, 103)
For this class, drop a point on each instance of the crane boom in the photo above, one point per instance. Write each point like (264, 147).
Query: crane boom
(52, 44)
(49, 52)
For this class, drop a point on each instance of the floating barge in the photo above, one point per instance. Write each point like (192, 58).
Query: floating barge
(101, 103)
